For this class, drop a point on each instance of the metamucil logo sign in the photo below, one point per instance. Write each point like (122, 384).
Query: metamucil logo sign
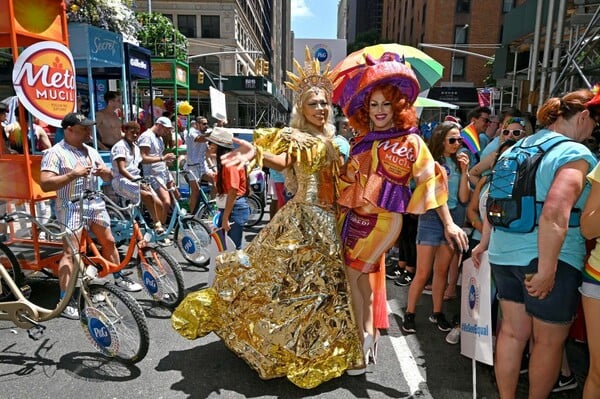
(44, 80)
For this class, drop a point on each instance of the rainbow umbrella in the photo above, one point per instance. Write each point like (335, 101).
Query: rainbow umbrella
(428, 70)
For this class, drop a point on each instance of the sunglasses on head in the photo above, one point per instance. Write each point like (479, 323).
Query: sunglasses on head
(454, 140)
(515, 132)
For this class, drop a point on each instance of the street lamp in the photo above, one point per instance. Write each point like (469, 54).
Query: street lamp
(454, 53)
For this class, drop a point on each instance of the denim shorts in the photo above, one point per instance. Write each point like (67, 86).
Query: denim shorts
(559, 307)
(430, 230)
(590, 290)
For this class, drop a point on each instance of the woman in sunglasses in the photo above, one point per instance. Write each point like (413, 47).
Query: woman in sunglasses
(515, 129)
(434, 253)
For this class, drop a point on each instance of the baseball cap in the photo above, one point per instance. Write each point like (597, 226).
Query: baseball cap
(166, 122)
(76, 118)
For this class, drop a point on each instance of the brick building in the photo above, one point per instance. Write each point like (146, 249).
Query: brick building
(440, 26)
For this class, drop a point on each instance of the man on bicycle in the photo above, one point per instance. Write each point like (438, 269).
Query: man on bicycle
(195, 143)
(70, 168)
(154, 163)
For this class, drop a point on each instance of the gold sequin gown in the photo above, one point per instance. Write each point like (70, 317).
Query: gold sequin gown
(283, 303)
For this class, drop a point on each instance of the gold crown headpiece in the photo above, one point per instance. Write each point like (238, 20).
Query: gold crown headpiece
(309, 77)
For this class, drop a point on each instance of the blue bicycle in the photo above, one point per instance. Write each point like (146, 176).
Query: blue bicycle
(191, 234)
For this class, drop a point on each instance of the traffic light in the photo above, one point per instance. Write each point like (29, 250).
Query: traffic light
(265, 67)
(200, 77)
(258, 66)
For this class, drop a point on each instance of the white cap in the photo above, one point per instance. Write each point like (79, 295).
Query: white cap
(163, 120)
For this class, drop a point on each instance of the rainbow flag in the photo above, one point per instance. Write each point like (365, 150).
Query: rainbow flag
(471, 138)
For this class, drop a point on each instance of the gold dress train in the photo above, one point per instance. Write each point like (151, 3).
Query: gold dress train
(283, 304)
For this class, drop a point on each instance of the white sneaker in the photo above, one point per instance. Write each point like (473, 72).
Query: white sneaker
(453, 336)
(126, 284)
(71, 311)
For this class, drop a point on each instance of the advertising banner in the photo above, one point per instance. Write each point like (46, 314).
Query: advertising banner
(44, 80)
(327, 51)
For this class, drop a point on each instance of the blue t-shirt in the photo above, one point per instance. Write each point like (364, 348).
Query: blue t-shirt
(343, 145)
(518, 249)
(453, 172)
(491, 147)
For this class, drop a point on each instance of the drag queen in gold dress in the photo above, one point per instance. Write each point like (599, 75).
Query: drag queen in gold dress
(283, 303)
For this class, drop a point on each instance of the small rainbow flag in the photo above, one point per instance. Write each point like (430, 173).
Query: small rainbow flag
(220, 240)
(471, 138)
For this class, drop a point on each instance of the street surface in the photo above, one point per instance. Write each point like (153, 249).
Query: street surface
(64, 365)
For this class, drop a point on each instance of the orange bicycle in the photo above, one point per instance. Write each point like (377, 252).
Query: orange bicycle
(111, 319)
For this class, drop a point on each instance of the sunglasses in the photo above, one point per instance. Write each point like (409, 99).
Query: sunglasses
(515, 133)
(454, 140)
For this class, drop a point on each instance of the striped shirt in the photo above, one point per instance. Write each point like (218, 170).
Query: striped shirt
(63, 158)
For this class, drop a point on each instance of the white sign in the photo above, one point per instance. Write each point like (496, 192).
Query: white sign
(217, 104)
(327, 51)
(475, 312)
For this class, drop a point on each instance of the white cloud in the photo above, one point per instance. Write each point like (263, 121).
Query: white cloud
(300, 9)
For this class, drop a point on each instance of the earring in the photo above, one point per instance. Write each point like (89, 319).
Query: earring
(371, 125)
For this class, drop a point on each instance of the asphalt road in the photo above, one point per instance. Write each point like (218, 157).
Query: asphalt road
(64, 365)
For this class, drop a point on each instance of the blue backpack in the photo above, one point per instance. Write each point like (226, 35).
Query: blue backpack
(511, 204)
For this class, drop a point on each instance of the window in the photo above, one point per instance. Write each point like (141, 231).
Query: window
(463, 6)
(459, 67)
(169, 17)
(186, 24)
(507, 5)
(460, 34)
(211, 26)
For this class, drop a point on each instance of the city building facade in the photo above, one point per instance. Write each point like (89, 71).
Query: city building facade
(241, 47)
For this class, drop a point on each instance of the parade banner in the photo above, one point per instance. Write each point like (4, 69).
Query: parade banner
(475, 312)
(44, 80)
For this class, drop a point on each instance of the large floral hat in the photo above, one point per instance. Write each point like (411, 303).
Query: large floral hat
(388, 69)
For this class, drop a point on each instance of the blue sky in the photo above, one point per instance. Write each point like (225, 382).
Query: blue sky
(314, 19)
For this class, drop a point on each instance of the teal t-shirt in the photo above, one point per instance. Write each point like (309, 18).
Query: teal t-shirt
(518, 249)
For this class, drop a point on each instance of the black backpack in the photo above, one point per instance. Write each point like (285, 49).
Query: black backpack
(511, 204)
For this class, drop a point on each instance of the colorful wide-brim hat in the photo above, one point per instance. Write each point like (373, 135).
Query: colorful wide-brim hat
(388, 69)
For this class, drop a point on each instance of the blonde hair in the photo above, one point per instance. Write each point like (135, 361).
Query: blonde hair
(298, 121)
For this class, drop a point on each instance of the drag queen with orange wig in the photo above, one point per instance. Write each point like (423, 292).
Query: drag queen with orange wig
(385, 157)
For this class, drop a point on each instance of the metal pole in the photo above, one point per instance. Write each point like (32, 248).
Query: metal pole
(149, 6)
(514, 79)
(557, 43)
(535, 50)
(547, 40)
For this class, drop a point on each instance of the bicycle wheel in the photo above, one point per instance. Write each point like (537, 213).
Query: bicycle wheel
(193, 238)
(114, 323)
(257, 210)
(11, 264)
(119, 226)
(161, 276)
(205, 212)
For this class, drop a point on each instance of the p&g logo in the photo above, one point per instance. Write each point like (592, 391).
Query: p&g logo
(321, 54)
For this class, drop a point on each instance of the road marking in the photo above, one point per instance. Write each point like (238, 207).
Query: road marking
(417, 384)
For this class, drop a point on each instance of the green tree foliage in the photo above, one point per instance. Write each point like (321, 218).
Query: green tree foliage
(158, 35)
(365, 39)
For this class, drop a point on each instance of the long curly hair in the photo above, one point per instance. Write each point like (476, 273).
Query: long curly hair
(436, 142)
(566, 106)
(405, 115)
